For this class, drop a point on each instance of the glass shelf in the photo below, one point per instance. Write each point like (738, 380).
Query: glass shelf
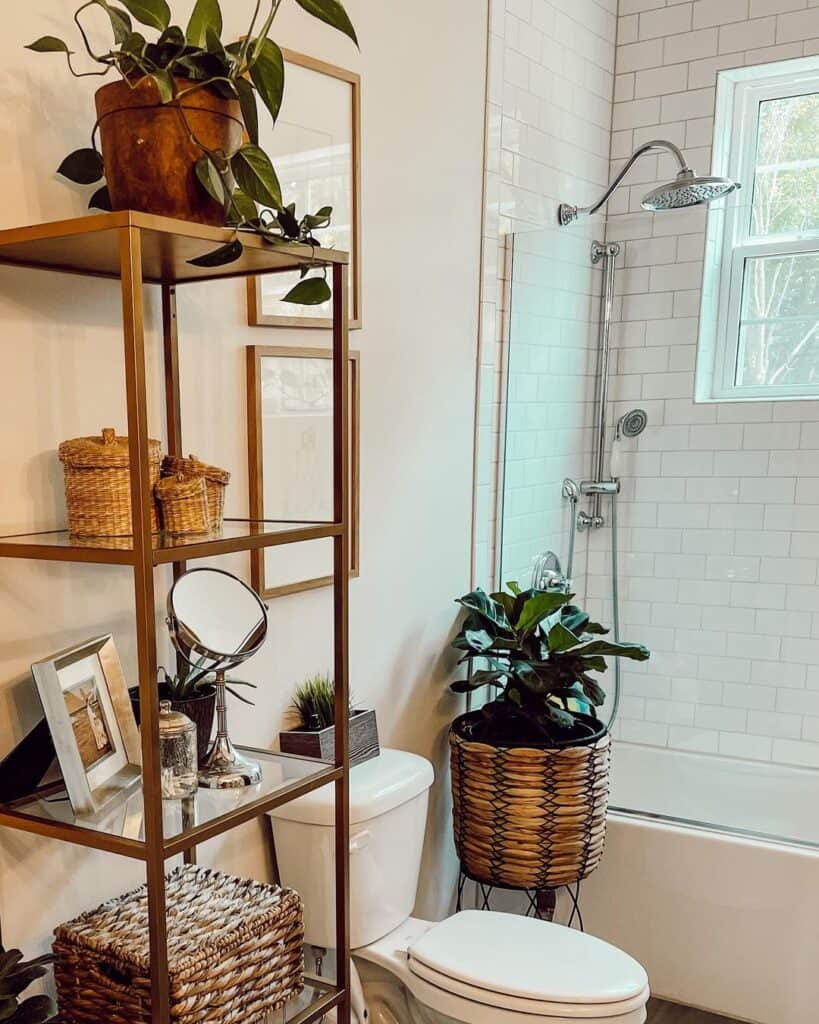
(317, 999)
(119, 827)
(91, 245)
(235, 535)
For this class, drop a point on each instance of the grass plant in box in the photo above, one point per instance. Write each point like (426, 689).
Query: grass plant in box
(315, 736)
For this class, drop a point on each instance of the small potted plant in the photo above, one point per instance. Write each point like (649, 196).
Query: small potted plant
(315, 736)
(15, 977)
(192, 692)
(177, 134)
(530, 769)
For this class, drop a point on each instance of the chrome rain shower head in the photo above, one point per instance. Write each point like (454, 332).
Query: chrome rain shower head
(687, 189)
(632, 424)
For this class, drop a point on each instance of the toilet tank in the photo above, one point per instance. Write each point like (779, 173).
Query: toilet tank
(388, 810)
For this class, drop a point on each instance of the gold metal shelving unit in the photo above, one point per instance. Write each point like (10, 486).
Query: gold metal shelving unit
(138, 249)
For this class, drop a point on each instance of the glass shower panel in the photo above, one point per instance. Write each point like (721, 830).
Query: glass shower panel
(554, 304)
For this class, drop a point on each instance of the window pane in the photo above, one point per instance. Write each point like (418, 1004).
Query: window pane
(786, 182)
(779, 326)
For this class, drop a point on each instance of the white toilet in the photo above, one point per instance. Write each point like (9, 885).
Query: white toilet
(476, 967)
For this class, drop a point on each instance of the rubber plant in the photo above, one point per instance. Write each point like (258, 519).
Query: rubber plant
(15, 977)
(249, 69)
(538, 651)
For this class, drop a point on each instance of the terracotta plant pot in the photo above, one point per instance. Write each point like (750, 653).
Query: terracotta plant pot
(200, 709)
(150, 159)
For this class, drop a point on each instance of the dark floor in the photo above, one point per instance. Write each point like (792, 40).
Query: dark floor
(670, 1013)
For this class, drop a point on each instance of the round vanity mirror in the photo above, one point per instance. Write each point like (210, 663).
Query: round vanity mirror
(215, 618)
(216, 622)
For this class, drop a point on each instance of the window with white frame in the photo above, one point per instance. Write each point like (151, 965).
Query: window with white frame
(759, 328)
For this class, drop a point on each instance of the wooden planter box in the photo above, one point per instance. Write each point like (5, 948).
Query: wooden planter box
(321, 743)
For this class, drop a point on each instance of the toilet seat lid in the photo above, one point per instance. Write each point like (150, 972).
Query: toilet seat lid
(526, 958)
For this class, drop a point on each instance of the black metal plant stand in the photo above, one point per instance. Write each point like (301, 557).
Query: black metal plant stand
(542, 903)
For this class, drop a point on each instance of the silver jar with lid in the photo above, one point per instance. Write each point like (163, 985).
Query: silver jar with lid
(177, 753)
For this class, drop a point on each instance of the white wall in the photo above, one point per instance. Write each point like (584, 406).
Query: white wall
(549, 117)
(720, 543)
(423, 72)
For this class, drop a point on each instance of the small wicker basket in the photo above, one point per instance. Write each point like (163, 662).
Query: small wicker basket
(216, 481)
(98, 484)
(526, 817)
(183, 504)
(234, 953)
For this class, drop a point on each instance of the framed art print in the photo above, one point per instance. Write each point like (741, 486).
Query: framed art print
(316, 148)
(85, 699)
(290, 435)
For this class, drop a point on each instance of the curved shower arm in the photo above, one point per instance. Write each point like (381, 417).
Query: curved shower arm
(568, 213)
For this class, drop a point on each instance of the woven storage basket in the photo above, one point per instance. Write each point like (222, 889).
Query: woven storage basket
(98, 484)
(234, 954)
(183, 504)
(525, 817)
(216, 481)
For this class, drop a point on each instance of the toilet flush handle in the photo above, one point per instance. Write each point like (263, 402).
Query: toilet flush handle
(360, 841)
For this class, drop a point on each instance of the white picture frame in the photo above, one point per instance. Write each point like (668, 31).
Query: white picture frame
(88, 709)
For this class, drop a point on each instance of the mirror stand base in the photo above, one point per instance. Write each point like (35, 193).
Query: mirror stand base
(225, 768)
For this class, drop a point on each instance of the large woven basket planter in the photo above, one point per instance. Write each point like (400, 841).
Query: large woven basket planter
(528, 817)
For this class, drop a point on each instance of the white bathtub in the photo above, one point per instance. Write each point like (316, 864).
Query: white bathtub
(723, 921)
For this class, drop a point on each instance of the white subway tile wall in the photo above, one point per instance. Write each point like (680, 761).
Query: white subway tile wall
(551, 82)
(720, 504)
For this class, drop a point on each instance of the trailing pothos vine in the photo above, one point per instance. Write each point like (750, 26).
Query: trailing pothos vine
(181, 62)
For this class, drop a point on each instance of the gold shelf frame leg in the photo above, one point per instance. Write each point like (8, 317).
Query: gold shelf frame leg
(134, 335)
(341, 583)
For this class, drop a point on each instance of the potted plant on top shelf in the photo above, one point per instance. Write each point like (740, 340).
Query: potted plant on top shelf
(315, 736)
(178, 133)
(530, 769)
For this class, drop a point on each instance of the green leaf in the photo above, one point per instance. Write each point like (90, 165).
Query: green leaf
(210, 179)
(164, 84)
(332, 13)
(514, 587)
(154, 13)
(36, 1010)
(83, 166)
(49, 44)
(312, 291)
(134, 44)
(485, 608)
(635, 652)
(250, 111)
(120, 22)
(464, 686)
(243, 207)
(220, 257)
(535, 608)
(561, 639)
(318, 220)
(101, 200)
(267, 74)
(206, 15)
(256, 176)
(238, 696)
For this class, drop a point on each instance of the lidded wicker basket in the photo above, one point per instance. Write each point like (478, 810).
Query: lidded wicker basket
(216, 481)
(98, 484)
(183, 504)
(234, 953)
(527, 817)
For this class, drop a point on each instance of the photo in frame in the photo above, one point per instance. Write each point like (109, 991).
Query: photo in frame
(316, 147)
(290, 448)
(85, 699)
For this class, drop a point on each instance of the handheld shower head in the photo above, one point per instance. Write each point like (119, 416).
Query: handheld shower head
(631, 424)
(687, 189)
